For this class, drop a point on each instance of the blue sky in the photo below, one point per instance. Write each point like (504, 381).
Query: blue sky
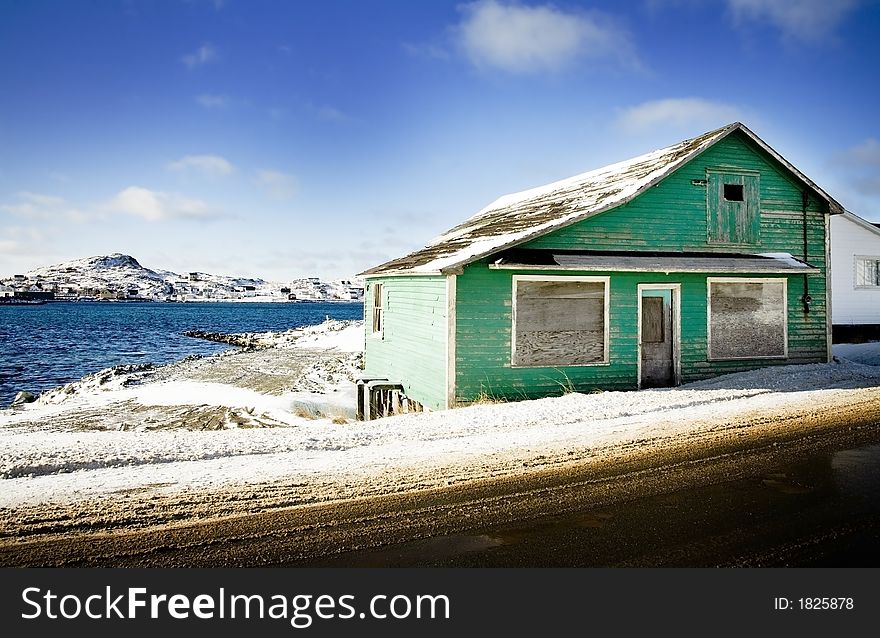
(286, 139)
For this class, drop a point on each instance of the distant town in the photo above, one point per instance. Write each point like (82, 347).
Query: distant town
(119, 277)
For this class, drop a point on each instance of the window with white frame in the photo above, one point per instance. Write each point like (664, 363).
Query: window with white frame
(867, 272)
(377, 309)
(560, 321)
(747, 318)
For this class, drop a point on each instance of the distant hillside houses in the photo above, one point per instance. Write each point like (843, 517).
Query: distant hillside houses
(120, 277)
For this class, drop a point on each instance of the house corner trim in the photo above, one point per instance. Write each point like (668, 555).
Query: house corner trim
(450, 340)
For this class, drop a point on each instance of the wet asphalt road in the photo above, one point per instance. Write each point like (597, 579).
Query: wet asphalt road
(807, 501)
(803, 505)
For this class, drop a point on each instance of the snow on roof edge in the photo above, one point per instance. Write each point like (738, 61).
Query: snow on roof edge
(788, 258)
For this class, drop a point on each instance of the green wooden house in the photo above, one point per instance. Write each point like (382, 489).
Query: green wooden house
(703, 258)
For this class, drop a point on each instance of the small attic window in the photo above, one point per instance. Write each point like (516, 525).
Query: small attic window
(733, 192)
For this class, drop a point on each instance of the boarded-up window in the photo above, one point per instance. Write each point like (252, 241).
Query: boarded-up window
(733, 200)
(652, 320)
(559, 323)
(867, 274)
(747, 319)
(377, 308)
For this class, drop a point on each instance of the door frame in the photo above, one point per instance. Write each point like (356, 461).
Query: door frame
(675, 290)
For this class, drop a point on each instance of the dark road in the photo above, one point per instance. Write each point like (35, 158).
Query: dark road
(821, 508)
(809, 501)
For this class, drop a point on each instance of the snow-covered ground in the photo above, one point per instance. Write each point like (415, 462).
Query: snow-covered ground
(100, 442)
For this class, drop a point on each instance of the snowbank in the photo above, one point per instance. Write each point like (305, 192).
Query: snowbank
(333, 334)
(344, 336)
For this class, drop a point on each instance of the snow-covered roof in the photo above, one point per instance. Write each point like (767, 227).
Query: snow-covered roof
(516, 218)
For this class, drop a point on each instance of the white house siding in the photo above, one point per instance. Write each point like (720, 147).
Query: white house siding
(851, 236)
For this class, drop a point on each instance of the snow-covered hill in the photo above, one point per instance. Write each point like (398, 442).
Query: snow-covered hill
(119, 276)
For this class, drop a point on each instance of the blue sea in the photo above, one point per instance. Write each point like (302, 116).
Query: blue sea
(44, 346)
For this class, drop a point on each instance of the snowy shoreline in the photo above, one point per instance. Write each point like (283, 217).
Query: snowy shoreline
(274, 427)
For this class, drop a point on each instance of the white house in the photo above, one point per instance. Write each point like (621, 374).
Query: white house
(855, 272)
(6, 291)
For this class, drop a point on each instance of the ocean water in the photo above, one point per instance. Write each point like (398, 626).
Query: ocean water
(44, 346)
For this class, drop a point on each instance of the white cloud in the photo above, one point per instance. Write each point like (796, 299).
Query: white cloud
(39, 199)
(30, 205)
(524, 39)
(134, 200)
(204, 54)
(210, 165)
(157, 206)
(213, 101)
(25, 232)
(688, 112)
(11, 240)
(798, 20)
(277, 184)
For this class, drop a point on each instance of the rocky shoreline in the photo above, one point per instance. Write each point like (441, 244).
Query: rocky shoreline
(245, 342)
(248, 341)
(284, 339)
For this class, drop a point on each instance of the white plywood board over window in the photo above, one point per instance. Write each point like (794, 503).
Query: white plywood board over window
(748, 318)
(559, 321)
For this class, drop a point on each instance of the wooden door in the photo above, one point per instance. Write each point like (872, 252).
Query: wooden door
(658, 362)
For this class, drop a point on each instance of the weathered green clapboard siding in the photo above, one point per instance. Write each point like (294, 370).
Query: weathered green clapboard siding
(484, 322)
(413, 350)
(671, 216)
